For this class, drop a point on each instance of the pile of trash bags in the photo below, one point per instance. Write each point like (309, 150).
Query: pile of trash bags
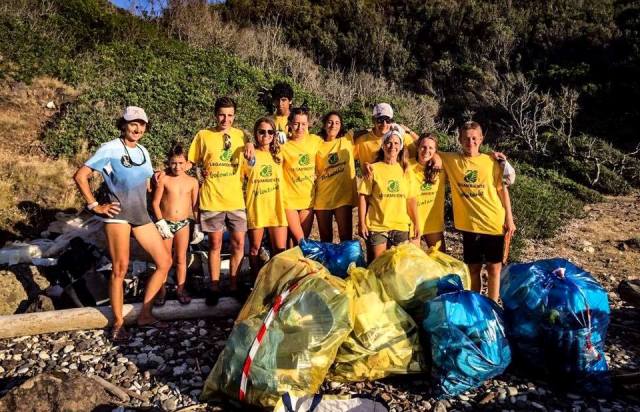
(557, 316)
(302, 324)
(335, 257)
(410, 276)
(467, 338)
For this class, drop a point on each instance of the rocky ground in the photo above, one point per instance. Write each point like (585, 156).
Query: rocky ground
(165, 369)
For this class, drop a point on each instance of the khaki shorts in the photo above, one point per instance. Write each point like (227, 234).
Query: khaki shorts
(234, 220)
(391, 238)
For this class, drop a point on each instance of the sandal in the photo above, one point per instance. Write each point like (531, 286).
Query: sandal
(183, 297)
(156, 324)
(161, 298)
(119, 334)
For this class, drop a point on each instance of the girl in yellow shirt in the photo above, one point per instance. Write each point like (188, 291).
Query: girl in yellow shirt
(430, 185)
(264, 198)
(387, 201)
(299, 170)
(335, 183)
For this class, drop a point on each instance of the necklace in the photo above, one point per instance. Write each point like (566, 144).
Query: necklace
(126, 158)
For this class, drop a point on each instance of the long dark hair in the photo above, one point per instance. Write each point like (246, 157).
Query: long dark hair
(323, 132)
(430, 172)
(274, 146)
(402, 155)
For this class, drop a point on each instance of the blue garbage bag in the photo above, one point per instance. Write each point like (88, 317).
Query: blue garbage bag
(335, 257)
(467, 338)
(556, 317)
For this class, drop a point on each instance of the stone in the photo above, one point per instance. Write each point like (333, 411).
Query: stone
(44, 355)
(22, 370)
(56, 391)
(85, 358)
(12, 293)
(40, 303)
(440, 406)
(68, 348)
(170, 404)
(512, 391)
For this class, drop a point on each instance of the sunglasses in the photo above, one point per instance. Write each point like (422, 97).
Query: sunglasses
(263, 132)
(383, 119)
(227, 141)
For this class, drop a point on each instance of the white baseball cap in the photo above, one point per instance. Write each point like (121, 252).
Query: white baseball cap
(134, 113)
(383, 109)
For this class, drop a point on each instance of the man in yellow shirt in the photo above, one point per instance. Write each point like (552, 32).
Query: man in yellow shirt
(367, 142)
(282, 99)
(219, 153)
(481, 206)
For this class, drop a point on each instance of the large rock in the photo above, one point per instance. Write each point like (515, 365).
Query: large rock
(12, 293)
(57, 391)
(20, 286)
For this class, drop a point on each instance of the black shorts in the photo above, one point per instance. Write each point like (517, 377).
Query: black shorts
(481, 248)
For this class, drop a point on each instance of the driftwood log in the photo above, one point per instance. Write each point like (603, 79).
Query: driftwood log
(101, 317)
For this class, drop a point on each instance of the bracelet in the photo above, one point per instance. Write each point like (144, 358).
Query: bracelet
(91, 206)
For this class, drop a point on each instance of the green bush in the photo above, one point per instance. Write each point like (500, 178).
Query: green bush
(540, 209)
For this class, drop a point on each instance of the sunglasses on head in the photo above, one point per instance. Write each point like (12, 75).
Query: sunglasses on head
(383, 119)
(227, 141)
(263, 132)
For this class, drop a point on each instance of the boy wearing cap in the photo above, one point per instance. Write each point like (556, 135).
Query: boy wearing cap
(481, 206)
(367, 142)
(219, 152)
(126, 168)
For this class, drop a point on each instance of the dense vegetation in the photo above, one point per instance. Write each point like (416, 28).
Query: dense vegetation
(115, 59)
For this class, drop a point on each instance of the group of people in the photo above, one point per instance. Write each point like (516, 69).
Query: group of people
(282, 178)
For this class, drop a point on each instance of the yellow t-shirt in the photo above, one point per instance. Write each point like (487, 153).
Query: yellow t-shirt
(281, 123)
(388, 191)
(299, 170)
(222, 188)
(265, 201)
(475, 182)
(335, 168)
(430, 199)
(368, 145)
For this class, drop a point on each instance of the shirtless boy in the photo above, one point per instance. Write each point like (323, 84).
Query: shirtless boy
(174, 200)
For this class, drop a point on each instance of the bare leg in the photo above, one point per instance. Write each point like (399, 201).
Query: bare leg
(295, 227)
(493, 271)
(237, 253)
(306, 221)
(432, 238)
(181, 243)
(118, 241)
(476, 281)
(278, 236)
(255, 240)
(377, 250)
(215, 246)
(344, 218)
(149, 238)
(325, 225)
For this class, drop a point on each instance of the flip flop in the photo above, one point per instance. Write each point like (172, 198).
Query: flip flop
(156, 324)
(183, 297)
(119, 334)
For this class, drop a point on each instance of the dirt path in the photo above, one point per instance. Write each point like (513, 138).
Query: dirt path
(606, 242)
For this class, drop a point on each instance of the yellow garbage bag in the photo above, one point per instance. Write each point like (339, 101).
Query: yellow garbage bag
(273, 278)
(410, 275)
(384, 340)
(305, 322)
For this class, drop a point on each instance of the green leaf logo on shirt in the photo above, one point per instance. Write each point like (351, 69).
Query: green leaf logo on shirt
(304, 160)
(266, 171)
(471, 176)
(393, 186)
(425, 187)
(333, 158)
(358, 169)
(225, 156)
